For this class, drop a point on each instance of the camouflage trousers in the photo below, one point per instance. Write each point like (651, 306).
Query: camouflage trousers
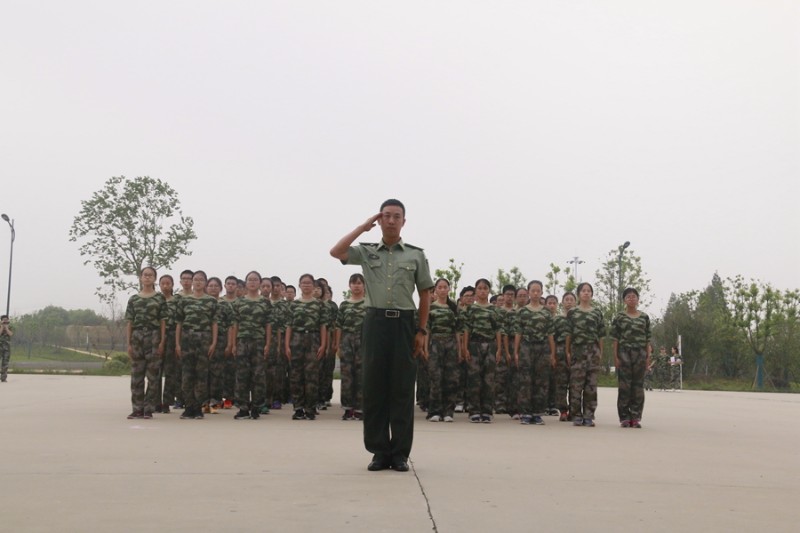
(480, 377)
(229, 378)
(583, 371)
(5, 357)
(327, 366)
(305, 369)
(423, 383)
(502, 385)
(461, 391)
(251, 385)
(559, 381)
(661, 375)
(351, 369)
(171, 370)
(534, 377)
(145, 363)
(630, 379)
(443, 370)
(271, 369)
(216, 369)
(194, 367)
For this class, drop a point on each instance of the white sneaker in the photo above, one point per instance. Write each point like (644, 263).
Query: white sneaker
(434, 418)
(459, 408)
(448, 419)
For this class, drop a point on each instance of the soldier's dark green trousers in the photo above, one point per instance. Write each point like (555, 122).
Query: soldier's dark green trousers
(389, 374)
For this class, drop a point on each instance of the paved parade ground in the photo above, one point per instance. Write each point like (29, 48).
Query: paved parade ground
(704, 461)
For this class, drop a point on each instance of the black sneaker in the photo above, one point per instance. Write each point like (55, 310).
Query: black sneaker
(198, 415)
(298, 415)
(254, 414)
(135, 415)
(187, 413)
(243, 413)
(348, 415)
(311, 416)
(147, 415)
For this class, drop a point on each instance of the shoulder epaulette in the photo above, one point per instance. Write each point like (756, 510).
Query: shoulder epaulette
(414, 247)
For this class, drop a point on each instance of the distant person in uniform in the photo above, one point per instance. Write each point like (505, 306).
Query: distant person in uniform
(5, 347)
(391, 340)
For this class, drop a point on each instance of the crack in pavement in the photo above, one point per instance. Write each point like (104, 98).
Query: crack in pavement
(425, 496)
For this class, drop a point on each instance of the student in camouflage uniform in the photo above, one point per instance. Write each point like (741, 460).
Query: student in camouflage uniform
(176, 384)
(444, 353)
(166, 389)
(466, 298)
(252, 323)
(146, 314)
(269, 381)
(328, 363)
(483, 338)
(560, 391)
(276, 363)
(229, 368)
(675, 368)
(630, 331)
(502, 376)
(195, 343)
(584, 348)
(5, 347)
(347, 340)
(216, 369)
(534, 355)
(661, 369)
(304, 344)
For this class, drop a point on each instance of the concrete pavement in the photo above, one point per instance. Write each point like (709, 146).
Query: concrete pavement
(705, 461)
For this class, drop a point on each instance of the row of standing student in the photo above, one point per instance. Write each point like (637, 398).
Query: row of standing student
(525, 359)
(242, 346)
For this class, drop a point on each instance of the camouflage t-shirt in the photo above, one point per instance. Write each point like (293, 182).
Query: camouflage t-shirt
(534, 325)
(278, 314)
(442, 320)
(224, 315)
(632, 332)
(586, 327)
(483, 321)
(5, 340)
(146, 312)
(560, 329)
(252, 316)
(308, 315)
(333, 310)
(196, 313)
(509, 316)
(351, 316)
(172, 309)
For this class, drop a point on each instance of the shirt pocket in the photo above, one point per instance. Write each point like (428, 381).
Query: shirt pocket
(407, 272)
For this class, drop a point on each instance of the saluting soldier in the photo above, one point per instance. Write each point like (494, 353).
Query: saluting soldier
(392, 270)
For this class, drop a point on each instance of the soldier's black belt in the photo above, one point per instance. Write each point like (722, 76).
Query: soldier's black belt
(390, 313)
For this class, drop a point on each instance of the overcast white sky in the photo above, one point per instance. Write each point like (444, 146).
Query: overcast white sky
(516, 133)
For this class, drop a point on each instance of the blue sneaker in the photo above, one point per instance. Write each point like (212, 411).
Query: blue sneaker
(538, 420)
(525, 419)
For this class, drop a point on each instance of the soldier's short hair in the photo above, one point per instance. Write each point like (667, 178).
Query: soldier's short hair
(393, 201)
(507, 288)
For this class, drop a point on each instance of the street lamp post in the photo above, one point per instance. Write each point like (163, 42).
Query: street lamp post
(10, 259)
(622, 249)
(575, 261)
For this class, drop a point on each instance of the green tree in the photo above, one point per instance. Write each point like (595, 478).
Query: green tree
(755, 307)
(607, 290)
(513, 277)
(553, 284)
(784, 351)
(453, 274)
(127, 225)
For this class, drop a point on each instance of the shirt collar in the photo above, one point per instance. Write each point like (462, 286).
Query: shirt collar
(399, 243)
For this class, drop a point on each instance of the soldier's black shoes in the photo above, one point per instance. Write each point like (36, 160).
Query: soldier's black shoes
(254, 414)
(399, 465)
(379, 463)
(135, 414)
(298, 415)
(243, 413)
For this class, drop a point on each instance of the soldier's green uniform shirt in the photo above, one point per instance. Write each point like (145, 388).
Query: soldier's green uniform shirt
(442, 320)
(391, 273)
(252, 316)
(350, 317)
(483, 321)
(560, 329)
(146, 312)
(535, 325)
(307, 316)
(631, 332)
(196, 314)
(585, 327)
